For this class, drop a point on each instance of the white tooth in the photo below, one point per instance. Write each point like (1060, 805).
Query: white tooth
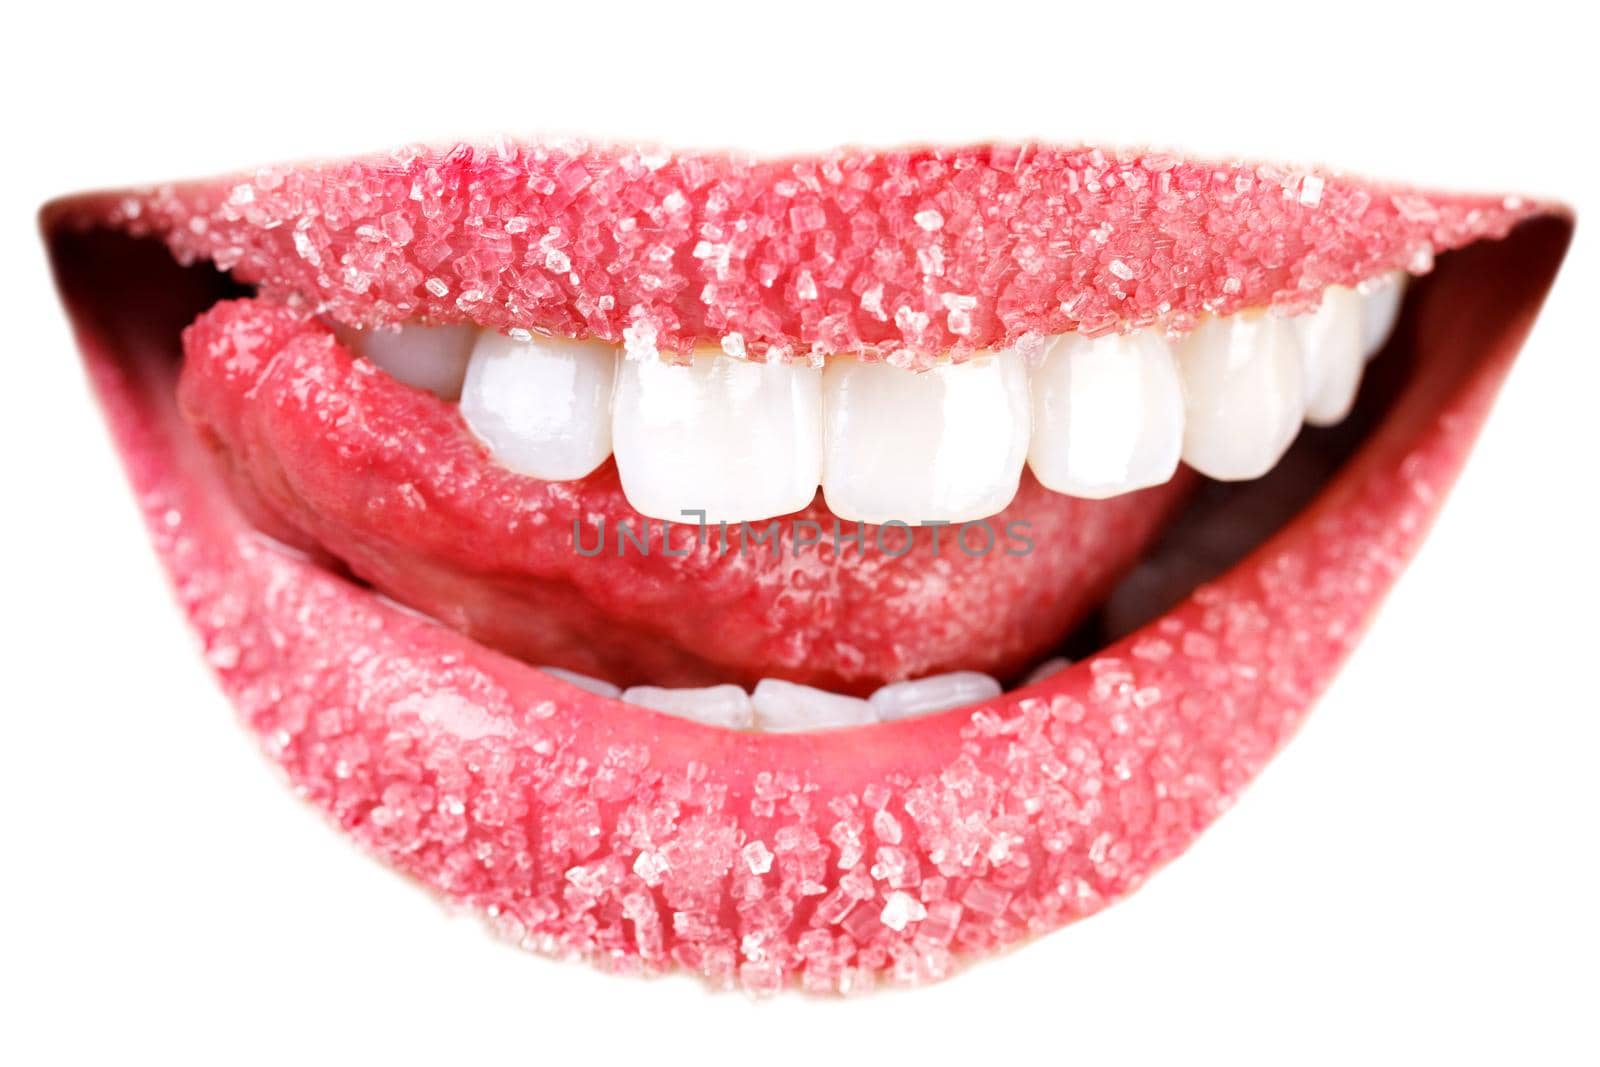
(1244, 394)
(717, 705)
(1330, 339)
(1380, 307)
(784, 707)
(1107, 414)
(427, 357)
(945, 444)
(597, 686)
(735, 439)
(1049, 668)
(938, 692)
(542, 406)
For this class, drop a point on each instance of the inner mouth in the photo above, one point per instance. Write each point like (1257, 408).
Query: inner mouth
(849, 613)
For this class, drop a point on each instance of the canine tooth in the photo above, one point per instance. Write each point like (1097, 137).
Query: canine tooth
(938, 692)
(783, 707)
(735, 439)
(1330, 339)
(1244, 394)
(597, 686)
(542, 406)
(1107, 414)
(945, 444)
(717, 705)
(1380, 308)
(427, 357)
(1049, 668)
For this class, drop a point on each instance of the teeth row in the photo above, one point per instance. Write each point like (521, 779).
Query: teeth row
(742, 441)
(777, 706)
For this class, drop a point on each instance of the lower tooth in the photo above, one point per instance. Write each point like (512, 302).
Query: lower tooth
(717, 705)
(784, 707)
(737, 440)
(426, 357)
(940, 692)
(542, 406)
(597, 686)
(1048, 669)
(945, 444)
(1244, 393)
(1331, 343)
(1380, 308)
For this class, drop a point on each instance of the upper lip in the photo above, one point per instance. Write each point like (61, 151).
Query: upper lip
(587, 826)
(823, 254)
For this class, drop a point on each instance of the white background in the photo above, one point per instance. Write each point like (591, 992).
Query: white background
(1415, 875)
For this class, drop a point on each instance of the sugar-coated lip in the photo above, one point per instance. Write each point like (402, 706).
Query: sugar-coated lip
(919, 251)
(588, 827)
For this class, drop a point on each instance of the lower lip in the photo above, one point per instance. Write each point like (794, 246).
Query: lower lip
(584, 826)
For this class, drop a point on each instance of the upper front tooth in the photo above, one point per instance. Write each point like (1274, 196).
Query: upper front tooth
(734, 439)
(1107, 414)
(1244, 393)
(542, 406)
(942, 444)
(1330, 340)
(1381, 306)
(427, 357)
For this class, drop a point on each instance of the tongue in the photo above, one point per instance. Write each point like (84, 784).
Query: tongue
(333, 457)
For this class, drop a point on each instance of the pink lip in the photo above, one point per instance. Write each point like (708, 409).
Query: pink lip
(584, 826)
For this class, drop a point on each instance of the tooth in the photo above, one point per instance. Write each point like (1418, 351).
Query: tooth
(1380, 307)
(542, 406)
(784, 707)
(1244, 394)
(735, 439)
(1330, 339)
(938, 692)
(597, 686)
(717, 705)
(427, 357)
(1049, 668)
(1107, 414)
(943, 444)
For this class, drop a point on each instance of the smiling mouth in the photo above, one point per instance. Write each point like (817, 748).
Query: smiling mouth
(811, 570)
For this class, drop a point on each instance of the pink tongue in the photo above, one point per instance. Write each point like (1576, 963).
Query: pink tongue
(332, 456)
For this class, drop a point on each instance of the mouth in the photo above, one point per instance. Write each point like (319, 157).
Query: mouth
(811, 571)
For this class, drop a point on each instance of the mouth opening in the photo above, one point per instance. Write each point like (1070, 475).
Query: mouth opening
(1201, 528)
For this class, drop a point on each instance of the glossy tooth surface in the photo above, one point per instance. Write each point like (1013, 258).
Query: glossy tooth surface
(718, 705)
(1380, 308)
(542, 406)
(946, 444)
(939, 692)
(1330, 340)
(1107, 414)
(597, 686)
(1244, 394)
(1049, 668)
(427, 357)
(735, 439)
(784, 707)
